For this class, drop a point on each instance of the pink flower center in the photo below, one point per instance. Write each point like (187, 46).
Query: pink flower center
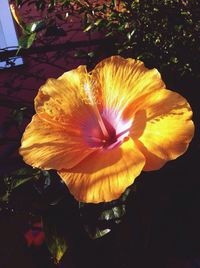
(116, 130)
(103, 129)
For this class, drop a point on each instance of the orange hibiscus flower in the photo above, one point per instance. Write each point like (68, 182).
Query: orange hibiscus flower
(100, 129)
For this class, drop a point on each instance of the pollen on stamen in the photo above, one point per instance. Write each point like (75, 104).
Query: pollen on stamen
(89, 93)
(92, 101)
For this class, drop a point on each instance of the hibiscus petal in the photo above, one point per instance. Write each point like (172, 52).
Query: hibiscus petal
(168, 128)
(49, 145)
(122, 81)
(61, 98)
(105, 174)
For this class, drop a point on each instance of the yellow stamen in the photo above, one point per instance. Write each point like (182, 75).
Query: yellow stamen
(91, 97)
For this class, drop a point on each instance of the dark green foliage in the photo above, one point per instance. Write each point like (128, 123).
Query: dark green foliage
(100, 219)
(17, 179)
(54, 236)
(163, 34)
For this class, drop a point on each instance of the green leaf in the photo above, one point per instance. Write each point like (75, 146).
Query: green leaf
(96, 232)
(55, 240)
(5, 197)
(88, 28)
(11, 184)
(91, 54)
(98, 220)
(26, 41)
(130, 34)
(97, 22)
(35, 26)
(18, 182)
(16, 179)
(80, 54)
(115, 213)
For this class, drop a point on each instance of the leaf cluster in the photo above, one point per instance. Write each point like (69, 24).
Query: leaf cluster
(163, 34)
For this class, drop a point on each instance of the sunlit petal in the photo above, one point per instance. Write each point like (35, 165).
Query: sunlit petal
(51, 146)
(168, 128)
(62, 98)
(122, 81)
(105, 174)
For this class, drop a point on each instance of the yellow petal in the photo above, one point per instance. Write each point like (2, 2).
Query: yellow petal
(122, 81)
(168, 129)
(104, 175)
(48, 145)
(61, 98)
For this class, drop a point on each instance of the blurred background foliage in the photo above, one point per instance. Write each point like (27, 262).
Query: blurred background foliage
(164, 34)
